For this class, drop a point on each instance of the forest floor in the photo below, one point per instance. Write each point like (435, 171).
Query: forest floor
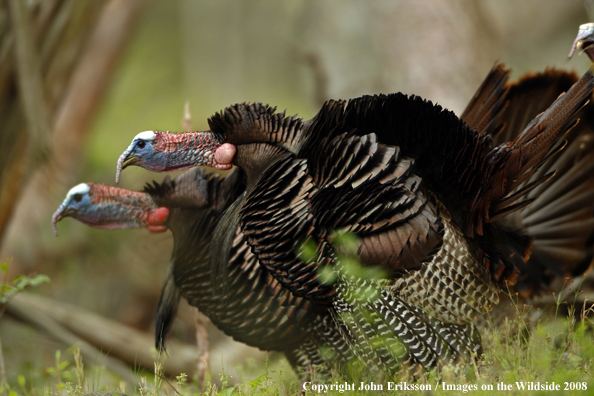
(554, 353)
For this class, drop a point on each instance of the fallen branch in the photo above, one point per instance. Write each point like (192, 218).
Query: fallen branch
(71, 325)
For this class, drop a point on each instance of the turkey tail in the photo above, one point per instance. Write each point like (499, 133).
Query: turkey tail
(509, 166)
(560, 220)
(482, 113)
(338, 351)
(530, 96)
(166, 309)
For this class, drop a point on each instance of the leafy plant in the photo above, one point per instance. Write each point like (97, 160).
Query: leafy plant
(9, 289)
(18, 284)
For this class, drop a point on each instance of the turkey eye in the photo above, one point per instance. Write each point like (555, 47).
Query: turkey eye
(77, 197)
(141, 144)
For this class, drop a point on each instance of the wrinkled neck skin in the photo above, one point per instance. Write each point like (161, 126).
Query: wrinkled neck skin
(118, 208)
(255, 158)
(167, 152)
(109, 207)
(186, 150)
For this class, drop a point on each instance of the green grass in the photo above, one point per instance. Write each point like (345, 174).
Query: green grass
(558, 349)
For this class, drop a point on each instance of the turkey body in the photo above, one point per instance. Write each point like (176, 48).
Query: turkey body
(431, 198)
(372, 191)
(252, 308)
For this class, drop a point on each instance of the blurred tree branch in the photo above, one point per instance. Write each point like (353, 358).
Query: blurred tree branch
(89, 80)
(70, 325)
(23, 310)
(57, 58)
(29, 78)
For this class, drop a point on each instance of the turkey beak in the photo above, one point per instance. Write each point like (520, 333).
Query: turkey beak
(133, 160)
(62, 212)
(584, 41)
(125, 161)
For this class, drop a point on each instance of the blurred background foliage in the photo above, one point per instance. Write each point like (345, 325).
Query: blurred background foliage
(292, 54)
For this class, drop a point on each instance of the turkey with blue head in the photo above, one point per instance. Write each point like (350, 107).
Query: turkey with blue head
(254, 308)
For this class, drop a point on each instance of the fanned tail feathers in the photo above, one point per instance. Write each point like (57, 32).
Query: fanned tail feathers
(483, 110)
(560, 219)
(540, 177)
(510, 165)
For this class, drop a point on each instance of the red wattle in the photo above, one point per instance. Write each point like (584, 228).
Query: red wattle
(157, 217)
(156, 229)
(223, 156)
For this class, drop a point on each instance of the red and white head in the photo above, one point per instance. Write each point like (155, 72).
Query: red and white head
(240, 135)
(101, 206)
(165, 152)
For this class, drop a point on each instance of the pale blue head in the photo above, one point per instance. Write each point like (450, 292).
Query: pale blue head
(77, 201)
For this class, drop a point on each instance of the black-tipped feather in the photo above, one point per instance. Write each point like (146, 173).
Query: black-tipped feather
(166, 309)
(483, 111)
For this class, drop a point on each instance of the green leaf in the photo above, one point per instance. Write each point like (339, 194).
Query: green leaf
(17, 280)
(227, 391)
(309, 251)
(6, 293)
(346, 240)
(7, 289)
(40, 279)
(182, 379)
(258, 381)
(327, 275)
(21, 282)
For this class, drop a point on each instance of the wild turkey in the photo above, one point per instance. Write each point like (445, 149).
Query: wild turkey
(426, 195)
(255, 309)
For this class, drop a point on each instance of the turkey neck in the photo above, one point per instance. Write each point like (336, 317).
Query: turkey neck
(255, 158)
